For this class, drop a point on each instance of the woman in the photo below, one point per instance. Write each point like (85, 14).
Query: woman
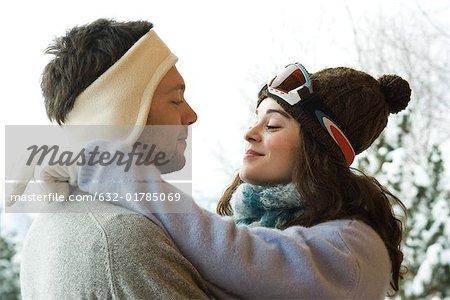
(333, 232)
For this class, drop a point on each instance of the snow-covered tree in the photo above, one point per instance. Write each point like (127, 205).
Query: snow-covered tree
(408, 157)
(9, 270)
(420, 184)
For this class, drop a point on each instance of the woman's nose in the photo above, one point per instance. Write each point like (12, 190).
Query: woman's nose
(252, 134)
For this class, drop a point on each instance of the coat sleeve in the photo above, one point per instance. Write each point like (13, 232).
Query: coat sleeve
(144, 263)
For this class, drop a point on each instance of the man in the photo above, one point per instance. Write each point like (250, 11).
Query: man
(110, 73)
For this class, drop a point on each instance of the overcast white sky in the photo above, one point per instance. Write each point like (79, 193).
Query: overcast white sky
(225, 49)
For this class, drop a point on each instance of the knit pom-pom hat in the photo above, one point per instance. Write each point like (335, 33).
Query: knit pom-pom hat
(360, 103)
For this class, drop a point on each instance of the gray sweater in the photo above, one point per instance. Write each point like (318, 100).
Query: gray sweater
(103, 251)
(342, 259)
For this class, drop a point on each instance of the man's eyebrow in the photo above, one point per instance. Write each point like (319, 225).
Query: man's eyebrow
(180, 86)
(277, 111)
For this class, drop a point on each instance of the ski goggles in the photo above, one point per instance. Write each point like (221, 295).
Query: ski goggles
(294, 86)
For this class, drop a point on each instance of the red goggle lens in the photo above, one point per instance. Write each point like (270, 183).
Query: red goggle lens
(290, 79)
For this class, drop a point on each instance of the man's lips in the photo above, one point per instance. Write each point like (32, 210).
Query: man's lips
(183, 137)
(182, 141)
(183, 134)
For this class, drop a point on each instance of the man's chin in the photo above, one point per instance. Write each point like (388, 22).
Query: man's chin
(176, 163)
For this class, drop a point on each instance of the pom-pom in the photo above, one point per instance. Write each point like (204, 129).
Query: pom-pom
(397, 92)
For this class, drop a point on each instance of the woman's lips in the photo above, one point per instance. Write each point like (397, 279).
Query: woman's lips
(252, 153)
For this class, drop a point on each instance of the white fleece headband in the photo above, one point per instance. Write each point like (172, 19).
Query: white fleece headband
(122, 95)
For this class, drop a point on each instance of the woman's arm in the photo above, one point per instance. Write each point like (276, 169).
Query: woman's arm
(315, 262)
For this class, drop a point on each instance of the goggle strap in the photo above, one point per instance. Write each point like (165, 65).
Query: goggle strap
(338, 136)
(304, 92)
(316, 109)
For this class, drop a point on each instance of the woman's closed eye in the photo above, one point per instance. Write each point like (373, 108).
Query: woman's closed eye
(272, 126)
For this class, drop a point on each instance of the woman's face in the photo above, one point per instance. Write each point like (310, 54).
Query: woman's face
(273, 146)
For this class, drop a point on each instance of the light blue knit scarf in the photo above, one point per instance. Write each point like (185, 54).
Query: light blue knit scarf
(266, 206)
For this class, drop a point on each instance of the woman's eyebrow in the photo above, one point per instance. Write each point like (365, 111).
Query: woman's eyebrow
(281, 112)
